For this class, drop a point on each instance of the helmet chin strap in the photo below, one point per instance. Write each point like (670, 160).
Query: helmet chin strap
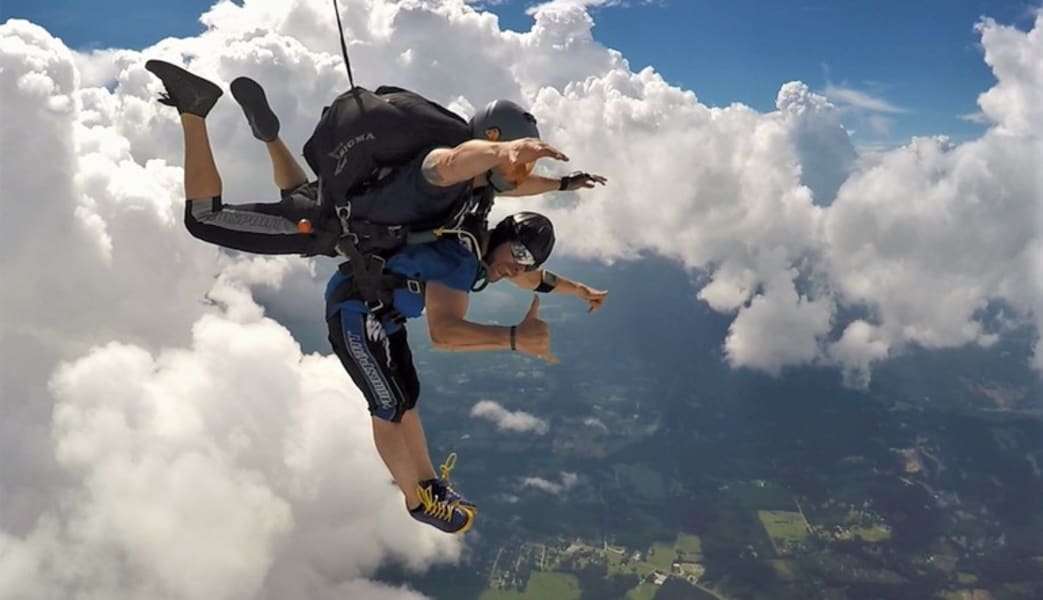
(481, 280)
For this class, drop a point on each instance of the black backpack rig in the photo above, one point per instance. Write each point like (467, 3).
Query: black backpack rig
(362, 137)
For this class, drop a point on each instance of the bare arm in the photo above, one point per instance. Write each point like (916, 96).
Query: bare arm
(531, 280)
(448, 166)
(449, 330)
(535, 184)
(528, 280)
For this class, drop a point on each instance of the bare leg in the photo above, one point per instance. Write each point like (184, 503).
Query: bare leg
(202, 180)
(287, 173)
(391, 446)
(413, 434)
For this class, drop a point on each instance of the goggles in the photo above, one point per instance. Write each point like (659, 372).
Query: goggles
(522, 256)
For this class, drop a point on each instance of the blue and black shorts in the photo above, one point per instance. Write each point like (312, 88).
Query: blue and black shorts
(380, 364)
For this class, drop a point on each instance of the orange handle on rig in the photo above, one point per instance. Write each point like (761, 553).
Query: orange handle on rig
(304, 226)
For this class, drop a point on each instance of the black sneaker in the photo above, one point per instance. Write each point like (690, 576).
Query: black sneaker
(443, 486)
(250, 95)
(441, 514)
(186, 92)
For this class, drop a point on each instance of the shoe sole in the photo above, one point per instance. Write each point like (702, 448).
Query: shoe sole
(250, 96)
(177, 79)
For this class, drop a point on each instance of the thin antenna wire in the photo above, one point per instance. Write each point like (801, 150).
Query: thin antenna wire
(343, 45)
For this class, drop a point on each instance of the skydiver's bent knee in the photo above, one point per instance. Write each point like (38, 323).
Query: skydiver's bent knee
(199, 212)
(262, 228)
(380, 364)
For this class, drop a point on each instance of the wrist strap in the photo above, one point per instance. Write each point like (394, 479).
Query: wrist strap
(514, 333)
(564, 184)
(548, 281)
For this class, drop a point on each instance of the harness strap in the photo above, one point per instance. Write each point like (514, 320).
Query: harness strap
(368, 277)
(370, 283)
(377, 293)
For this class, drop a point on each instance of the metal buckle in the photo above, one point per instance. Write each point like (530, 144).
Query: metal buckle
(414, 286)
(344, 216)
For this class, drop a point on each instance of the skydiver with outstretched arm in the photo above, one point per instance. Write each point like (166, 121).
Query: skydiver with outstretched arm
(435, 278)
(500, 162)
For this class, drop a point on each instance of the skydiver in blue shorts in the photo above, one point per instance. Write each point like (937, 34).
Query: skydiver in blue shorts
(433, 278)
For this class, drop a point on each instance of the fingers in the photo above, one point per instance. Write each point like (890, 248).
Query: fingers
(545, 150)
(554, 153)
(529, 150)
(595, 300)
(542, 349)
(586, 180)
(534, 308)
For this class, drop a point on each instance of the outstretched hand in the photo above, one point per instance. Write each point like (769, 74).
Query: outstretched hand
(595, 299)
(527, 150)
(579, 179)
(533, 334)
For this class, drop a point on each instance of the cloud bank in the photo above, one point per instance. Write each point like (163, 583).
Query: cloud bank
(164, 438)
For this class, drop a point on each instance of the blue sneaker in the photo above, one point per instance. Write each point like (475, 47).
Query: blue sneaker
(441, 514)
(443, 486)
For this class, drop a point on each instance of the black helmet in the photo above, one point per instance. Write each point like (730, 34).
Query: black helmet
(510, 120)
(533, 230)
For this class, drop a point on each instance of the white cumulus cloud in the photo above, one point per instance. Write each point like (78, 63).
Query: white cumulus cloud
(163, 438)
(861, 99)
(567, 482)
(504, 419)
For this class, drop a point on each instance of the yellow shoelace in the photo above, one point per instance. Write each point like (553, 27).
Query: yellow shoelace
(439, 510)
(447, 467)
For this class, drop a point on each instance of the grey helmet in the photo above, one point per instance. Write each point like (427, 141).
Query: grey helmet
(511, 122)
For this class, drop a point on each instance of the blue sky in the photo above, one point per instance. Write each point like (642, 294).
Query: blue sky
(920, 60)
